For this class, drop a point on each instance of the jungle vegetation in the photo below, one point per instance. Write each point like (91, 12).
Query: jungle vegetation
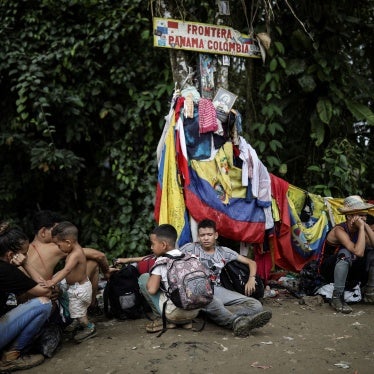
(84, 94)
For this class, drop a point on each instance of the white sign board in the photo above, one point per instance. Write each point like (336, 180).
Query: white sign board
(202, 37)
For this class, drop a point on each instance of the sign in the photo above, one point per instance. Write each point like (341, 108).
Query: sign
(202, 37)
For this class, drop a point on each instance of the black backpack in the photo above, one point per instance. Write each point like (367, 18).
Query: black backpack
(234, 276)
(122, 297)
(310, 279)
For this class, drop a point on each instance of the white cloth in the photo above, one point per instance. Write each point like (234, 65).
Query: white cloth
(353, 296)
(80, 296)
(254, 169)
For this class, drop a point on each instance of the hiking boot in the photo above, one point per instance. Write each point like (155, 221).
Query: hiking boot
(244, 324)
(241, 326)
(369, 295)
(88, 332)
(339, 304)
(21, 363)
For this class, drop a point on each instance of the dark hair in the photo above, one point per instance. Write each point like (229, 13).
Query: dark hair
(65, 230)
(11, 238)
(166, 232)
(370, 219)
(207, 223)
(45, 218)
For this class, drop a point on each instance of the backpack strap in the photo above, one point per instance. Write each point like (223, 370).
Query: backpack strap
(174, 257)
(164, 322)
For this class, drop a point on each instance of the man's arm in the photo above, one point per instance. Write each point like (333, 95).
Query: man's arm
(38, 290)
(251, 284)
(100, 258)
(129, 260)
(342, 238)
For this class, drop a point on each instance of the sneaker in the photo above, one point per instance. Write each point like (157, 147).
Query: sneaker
(244, 324)
(88, 332)
(21, 363)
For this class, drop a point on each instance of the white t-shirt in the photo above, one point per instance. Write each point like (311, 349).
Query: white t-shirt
(172, 312)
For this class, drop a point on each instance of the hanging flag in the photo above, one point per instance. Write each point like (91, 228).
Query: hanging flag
(215, 192)
(170, 207)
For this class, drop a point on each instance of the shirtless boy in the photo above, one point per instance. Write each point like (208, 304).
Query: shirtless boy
(65, 236)
(44, 255)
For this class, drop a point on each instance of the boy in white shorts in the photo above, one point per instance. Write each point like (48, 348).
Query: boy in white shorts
(65, 236)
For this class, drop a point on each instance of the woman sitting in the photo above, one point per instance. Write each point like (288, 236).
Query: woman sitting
(20, 325)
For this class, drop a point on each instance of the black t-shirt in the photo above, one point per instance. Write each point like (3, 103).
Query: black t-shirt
(12, 280)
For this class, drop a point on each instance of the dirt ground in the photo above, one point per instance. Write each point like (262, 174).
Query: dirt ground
(298, 339)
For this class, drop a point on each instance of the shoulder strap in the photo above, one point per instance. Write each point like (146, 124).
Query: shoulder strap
(40, 257)
(174, 257)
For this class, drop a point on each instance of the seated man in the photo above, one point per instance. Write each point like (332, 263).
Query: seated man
(230, 309)
(44, 255)
(348, 255)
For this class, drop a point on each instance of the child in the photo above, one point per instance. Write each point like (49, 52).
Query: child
(163, 240)
(65, 236)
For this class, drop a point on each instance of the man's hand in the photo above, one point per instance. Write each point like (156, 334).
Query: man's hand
(47, 284)
(250, 286)
(110, 271)
(18, 259)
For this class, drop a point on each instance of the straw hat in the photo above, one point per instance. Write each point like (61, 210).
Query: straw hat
(354, 204)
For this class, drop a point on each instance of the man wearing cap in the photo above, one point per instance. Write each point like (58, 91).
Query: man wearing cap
(348, 256)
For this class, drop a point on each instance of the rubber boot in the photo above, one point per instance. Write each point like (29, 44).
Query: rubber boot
(369, 289)
(338, 303)
(369, 295)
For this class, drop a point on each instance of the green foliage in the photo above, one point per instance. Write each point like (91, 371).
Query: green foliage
(83, 94)
(317, 88)
(343, 168)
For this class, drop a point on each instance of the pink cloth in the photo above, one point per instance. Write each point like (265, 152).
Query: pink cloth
(207, 116)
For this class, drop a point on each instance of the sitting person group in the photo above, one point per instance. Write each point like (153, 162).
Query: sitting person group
(28, 271)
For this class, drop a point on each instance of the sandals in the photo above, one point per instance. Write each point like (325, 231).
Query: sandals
(157, 326)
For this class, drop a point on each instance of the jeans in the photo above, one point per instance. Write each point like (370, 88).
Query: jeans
(152, 300)
(20, 325)
(227, 305)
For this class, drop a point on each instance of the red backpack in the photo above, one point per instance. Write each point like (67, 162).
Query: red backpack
(146, 264)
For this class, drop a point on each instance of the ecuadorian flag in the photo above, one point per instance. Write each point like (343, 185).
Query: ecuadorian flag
(170, 206)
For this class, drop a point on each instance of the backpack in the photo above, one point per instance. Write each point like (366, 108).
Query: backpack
(310, 278)
(122, 297)
(146, 264)
(189, 282)
(234, 276)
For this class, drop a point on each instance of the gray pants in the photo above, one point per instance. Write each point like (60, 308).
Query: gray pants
(228, 305)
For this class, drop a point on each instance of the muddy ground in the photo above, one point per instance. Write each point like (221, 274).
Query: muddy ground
(298, 339)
